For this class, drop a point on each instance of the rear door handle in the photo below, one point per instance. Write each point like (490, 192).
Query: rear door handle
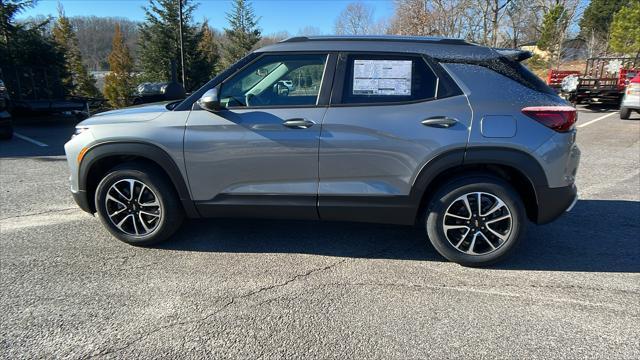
(439, 122)
(298, 123)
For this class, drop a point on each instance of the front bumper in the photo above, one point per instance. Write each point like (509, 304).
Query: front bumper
(553, 202)
(80, 197)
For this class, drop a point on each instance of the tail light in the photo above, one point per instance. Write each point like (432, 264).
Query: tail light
(558, 118)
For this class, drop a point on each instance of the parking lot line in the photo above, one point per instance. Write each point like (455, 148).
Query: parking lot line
(597, 119)
(26, 138)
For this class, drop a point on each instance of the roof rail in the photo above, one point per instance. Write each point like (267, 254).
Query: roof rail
(415, 39)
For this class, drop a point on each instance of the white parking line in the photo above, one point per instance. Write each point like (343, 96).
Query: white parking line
(25, 138)
(597, 119)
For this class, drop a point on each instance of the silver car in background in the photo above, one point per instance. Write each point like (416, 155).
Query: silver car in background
(459, 139)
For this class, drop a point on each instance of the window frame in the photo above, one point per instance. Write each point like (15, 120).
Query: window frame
(340, 80)
(326, 83)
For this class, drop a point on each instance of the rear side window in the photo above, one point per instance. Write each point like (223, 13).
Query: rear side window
(371, 79)
(515, 71)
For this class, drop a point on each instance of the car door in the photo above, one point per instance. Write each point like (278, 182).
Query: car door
(390, 115)
(258, 155)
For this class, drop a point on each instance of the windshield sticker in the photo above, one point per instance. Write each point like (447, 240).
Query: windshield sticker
(382, 77)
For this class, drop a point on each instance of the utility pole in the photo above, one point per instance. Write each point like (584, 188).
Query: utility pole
(181, 45)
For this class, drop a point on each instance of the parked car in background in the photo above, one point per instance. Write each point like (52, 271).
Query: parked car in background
(631, 99)
(6, 123)
(460, 139)
(156, 92)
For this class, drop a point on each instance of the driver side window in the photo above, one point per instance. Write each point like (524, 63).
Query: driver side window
(276, 80)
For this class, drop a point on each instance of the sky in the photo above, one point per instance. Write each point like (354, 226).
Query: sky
(276, 15)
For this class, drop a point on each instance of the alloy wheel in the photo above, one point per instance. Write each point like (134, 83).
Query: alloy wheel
(477, 223)
(133, 207)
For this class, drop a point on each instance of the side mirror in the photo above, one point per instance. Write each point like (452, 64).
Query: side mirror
(209, 100)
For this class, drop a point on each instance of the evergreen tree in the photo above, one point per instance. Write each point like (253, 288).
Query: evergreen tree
(208, 47)
(78, 81)
(554, 26)
(119, 84)
(598, 15)
(243, 33)
(206, 63)
(625, 30)
(23, 45)
(160, 42)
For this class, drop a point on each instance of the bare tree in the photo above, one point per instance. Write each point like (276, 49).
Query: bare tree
(355, 19)
(519, 24)
(309, 31)
(451, 18)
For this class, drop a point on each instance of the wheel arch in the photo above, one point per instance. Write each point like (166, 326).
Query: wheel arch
(104, 156)
(520, 169)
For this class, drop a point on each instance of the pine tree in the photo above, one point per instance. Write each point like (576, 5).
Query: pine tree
(119, 84)
(243, 33)
(160, 41)
(205, 64)
(208, 47)
(625, 30)
(78, 81)
(598, 15)
(554, 26)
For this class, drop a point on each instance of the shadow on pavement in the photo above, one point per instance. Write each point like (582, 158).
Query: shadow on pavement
(597, 236)
(54, 131)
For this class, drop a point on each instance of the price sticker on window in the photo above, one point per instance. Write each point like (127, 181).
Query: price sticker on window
(382, 77)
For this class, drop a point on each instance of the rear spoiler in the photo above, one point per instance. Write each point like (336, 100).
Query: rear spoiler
(514, 54)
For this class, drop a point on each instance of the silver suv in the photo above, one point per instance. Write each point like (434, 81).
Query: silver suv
(459, 139)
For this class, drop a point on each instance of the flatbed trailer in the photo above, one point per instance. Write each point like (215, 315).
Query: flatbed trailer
(603, 81)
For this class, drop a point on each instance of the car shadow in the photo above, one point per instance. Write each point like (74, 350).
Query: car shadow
(597, 236)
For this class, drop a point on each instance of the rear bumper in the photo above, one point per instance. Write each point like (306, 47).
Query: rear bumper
(553, 202)
(80, 197)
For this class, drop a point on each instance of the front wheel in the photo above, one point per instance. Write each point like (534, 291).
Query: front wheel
(475, 221)
(625, 113)
(138, 205)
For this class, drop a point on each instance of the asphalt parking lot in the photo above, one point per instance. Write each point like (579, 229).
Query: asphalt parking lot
(283, 289)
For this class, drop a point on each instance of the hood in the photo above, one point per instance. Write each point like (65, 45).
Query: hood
(130, 114)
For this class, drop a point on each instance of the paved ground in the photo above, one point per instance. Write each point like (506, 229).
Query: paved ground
(278, 289)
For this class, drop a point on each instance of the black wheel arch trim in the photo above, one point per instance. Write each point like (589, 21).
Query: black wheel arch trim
(139, 149)
(516, 159)
(547, 208)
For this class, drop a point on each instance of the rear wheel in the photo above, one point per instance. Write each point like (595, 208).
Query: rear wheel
(138, 205)
(475, 221)
(625, 113)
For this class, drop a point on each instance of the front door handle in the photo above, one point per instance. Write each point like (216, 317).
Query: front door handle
(298, 123)
(439, 122)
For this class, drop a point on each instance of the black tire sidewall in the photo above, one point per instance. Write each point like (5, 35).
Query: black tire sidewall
(451, 191)
(625, 113)
(172, 211)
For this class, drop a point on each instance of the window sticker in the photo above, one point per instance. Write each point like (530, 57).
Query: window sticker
(382, 77)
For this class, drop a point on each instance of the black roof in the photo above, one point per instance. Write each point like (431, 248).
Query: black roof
(414, 39)
(444, 49)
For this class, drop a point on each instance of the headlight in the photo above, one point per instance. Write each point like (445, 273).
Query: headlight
(79, 130)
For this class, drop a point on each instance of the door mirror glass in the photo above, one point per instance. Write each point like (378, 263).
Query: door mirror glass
(210, 100)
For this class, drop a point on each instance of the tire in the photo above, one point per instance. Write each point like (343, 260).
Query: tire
(487, 248)
(152, 224)
(625, 113)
